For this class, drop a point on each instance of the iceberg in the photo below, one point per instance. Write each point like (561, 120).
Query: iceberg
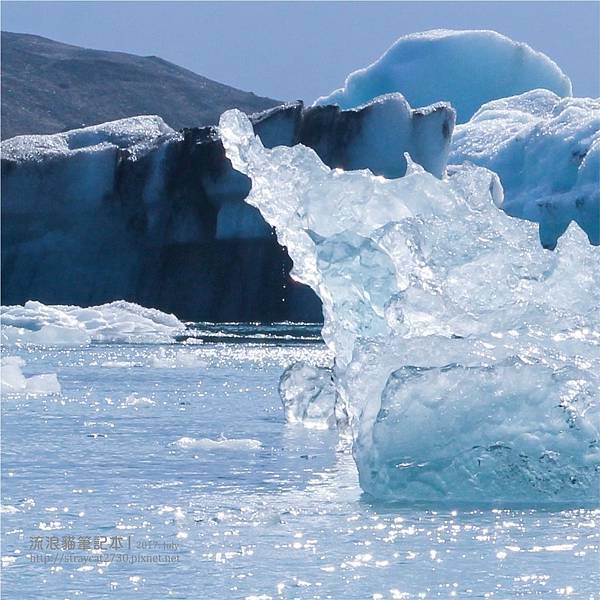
(135, 135)
(117, 322)
(374, 135)
(465, 68)
(132, 209)
(546, 150)
(466, 356)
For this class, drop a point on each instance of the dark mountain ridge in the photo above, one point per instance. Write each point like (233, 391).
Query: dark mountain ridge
(48, 87)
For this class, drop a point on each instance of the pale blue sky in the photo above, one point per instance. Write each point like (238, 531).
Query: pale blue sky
(302, 50)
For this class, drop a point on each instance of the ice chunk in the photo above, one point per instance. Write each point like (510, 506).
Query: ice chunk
(136, 400)
(12, 379)
(546, 151)
(466, 355)
(466, 68)
(491, 431)
(120, 321)
(189, 443)
(178, 359)
(308, 396)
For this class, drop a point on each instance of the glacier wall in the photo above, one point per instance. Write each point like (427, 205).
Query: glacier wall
(466, 356)
(134, 210)
(465, 68)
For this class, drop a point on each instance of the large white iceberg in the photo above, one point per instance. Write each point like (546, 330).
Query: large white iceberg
(466, 355)
(466, 68)
(546, 151)
(41, 325)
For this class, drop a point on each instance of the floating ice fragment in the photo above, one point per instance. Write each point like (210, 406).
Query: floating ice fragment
(308, 396)
(12, 379)
(8, 509)
(188, 443)
(137, 400)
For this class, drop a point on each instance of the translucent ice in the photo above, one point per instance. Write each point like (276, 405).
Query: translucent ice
(466, 68)
(38, 324)
(546, 151)
(308, 396)
(466, 355)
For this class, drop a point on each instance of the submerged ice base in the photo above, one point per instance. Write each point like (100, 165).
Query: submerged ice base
(466, 355)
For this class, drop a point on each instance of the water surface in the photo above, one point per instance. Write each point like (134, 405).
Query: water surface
(180, 452)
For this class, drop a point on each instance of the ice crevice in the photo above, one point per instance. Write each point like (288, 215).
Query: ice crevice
(466, 355)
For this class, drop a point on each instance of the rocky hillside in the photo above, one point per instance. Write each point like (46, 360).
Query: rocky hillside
(48, 87)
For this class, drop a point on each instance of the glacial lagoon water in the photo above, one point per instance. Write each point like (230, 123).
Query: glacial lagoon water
(175, 461)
